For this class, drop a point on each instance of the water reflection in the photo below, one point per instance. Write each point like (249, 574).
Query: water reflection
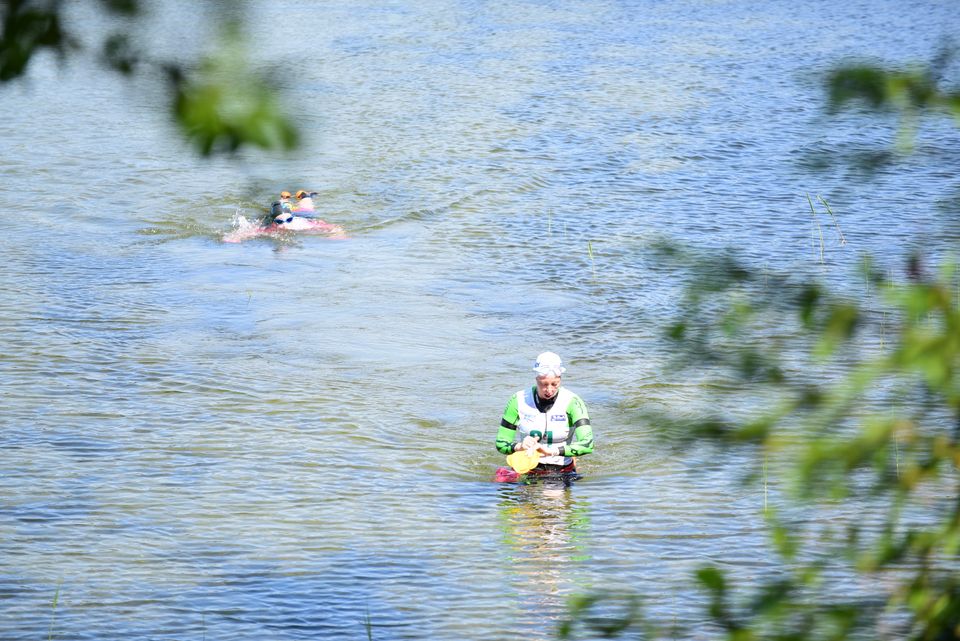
(546, 528)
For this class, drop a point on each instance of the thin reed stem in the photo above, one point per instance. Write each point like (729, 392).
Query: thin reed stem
(53, 614)
(368, 624)
(593, 265)
(896, 446)
(765, 483)
(883, 327)
(813, 212)
(843, 239)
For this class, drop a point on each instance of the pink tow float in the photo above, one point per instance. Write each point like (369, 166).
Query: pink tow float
(298, 224)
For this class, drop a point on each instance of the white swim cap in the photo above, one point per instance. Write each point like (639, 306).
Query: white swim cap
(548, 364)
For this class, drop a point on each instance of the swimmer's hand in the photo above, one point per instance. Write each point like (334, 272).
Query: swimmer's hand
(529, 443)
(549, 450)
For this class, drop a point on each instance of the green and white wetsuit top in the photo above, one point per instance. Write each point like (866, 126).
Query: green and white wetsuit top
(563, 422)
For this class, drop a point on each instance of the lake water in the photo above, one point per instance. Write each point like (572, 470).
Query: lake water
(293, 438)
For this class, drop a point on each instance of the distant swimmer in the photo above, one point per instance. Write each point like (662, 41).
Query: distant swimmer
(282, 206)
(304, 201)
(286, 220)
(303, 204)
(283, 218)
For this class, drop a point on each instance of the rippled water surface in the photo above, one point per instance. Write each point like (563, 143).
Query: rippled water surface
(292, 438)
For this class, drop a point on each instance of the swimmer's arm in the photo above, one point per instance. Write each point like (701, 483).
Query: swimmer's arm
(582, 442)
(507, 433)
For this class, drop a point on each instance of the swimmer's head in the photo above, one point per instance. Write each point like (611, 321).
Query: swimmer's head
(302, 194)
(284, 194)
(282, 213)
